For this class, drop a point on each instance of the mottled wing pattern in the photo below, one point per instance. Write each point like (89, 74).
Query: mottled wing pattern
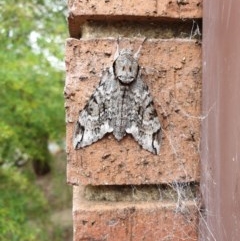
(95, 119)
(143, 123)
(121, 104)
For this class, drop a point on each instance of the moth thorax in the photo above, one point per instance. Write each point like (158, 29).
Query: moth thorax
(126, 68)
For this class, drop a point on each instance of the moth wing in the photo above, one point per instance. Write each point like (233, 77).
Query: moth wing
(143, 123)
(95, 119)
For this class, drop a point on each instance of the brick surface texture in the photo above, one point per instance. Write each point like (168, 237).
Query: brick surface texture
(81, 10)
(123, 221)
(172, 70)
(154, 8)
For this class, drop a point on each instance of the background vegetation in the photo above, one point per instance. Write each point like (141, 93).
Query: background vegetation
(32, 115)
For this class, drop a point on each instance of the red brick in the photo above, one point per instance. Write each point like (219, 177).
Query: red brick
(180, 8)
(81, 10)
(173, 74)
(113, 7)
(150, 221)
(150, 8)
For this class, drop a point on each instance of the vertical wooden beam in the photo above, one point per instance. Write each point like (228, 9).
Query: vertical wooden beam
(220, 183)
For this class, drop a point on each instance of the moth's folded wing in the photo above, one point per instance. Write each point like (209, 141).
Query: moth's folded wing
(95, 119)
(144, 125)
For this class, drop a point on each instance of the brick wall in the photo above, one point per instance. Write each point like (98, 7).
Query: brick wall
(122, 192)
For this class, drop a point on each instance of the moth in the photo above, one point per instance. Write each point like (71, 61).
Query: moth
(120, 105)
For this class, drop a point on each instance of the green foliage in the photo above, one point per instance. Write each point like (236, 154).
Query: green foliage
(22, 208)
(31, 80)
(31, 108)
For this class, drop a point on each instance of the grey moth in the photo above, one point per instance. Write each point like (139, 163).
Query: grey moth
(120, 105)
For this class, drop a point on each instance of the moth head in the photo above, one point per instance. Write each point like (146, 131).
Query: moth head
(126, 67)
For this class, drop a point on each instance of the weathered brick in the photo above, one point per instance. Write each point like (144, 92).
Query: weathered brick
(81, 10)
(113, 8)
(149, 221)
(179, 8)
(150, 8)
(172, 70)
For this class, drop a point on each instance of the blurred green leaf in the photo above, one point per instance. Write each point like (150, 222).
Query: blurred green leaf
(31, 76)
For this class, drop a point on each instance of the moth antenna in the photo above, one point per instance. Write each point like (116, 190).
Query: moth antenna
(136, 55)
(117, 51)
